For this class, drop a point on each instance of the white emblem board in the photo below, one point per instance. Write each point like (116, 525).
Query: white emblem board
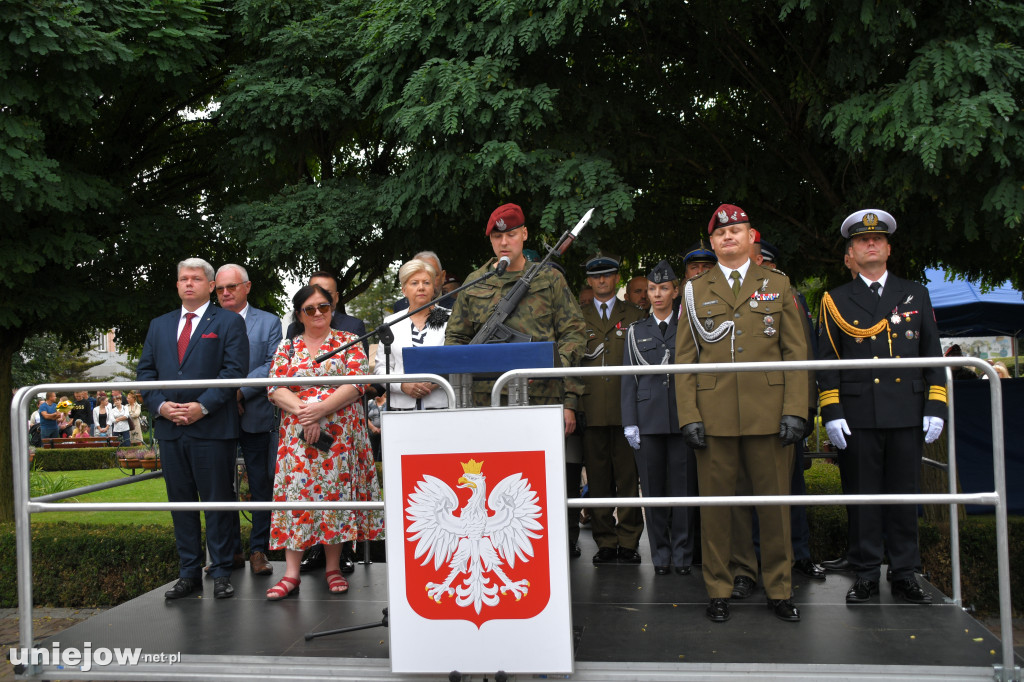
(478, 573)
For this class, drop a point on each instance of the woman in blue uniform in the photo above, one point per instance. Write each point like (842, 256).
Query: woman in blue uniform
(664, 462)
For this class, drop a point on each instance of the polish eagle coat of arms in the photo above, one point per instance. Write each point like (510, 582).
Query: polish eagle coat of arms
(475, 543)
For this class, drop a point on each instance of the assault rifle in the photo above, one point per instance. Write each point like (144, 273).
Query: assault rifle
(495, 330)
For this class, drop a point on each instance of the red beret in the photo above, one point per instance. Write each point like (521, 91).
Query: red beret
(757, 236)
(726, 215)
(505, 218)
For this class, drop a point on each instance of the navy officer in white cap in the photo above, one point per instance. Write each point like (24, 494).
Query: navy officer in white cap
(880, 418)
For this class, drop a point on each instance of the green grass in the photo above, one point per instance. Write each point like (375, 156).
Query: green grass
(152, 490)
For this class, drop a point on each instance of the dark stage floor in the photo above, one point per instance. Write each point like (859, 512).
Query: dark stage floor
(625, 619)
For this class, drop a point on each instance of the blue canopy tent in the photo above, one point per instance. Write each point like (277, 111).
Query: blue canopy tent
(963, 309)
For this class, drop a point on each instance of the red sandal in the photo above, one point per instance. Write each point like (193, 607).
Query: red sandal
(284, 588)
(336, 583)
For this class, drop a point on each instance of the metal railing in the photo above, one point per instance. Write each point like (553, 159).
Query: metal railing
(25, 506)
(996, 499)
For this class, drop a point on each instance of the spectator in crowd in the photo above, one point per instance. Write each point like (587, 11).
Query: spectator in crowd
(374, 409)
(104, 423)
(197, 427)
(82, 409)
(664, 462)
(323, 451)
(1000, 369)
(257, 422)
(65, 424)
(742, 424)
(451, 283)
(610, 465)
(135, 417)
(880, 418)
(121, 426)
(81, 429)
(960, 373)
(425, 328)
(636, 293)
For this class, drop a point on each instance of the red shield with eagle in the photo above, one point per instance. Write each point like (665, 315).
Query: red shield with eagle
(476, 535)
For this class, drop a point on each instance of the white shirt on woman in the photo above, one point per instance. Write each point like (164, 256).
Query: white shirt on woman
(407, 336)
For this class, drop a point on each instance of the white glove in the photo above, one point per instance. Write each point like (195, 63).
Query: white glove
(835, 430)
(632, 436)
(932, 428)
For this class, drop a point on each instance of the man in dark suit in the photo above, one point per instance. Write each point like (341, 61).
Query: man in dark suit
(314, 557)
(876, 416)
(742, 424)
(197, 427)
(258, 420)
(611, 469)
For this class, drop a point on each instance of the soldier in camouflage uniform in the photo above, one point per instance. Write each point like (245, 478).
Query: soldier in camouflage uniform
(549, 312)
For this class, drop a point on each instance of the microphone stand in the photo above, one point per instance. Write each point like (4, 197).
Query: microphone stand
(409, 313)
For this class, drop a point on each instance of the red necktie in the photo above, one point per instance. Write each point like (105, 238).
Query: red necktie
(186, 334)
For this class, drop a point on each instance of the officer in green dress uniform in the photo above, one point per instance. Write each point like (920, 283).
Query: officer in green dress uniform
(742, 423)
(611, 469)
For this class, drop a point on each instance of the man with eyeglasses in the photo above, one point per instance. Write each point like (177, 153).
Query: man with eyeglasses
(197, 427)
(257, 436)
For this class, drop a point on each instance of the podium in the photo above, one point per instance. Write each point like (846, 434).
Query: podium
(481, 361)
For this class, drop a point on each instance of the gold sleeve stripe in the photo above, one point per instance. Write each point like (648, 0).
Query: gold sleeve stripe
(831, 393)
(937, 393)
(831, 400)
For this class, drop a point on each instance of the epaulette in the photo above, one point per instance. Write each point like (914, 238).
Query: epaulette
(780, 272)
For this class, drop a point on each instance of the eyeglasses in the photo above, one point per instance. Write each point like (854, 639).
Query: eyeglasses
(324, 309)
(230, 287)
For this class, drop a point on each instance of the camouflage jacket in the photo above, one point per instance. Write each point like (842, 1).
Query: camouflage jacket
(549, 312)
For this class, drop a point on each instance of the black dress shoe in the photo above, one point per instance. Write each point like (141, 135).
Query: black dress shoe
(347, 565)
(684, 570)
(910, 591)
(313, 559)
(808, 568)
(183, 588)
(661, 570)
(742, 587)
(574, 551)
(222, 588)
(784, 610)
(606, 555)
(628, 556)
(717, 610)
(861, 591)
(841, 565)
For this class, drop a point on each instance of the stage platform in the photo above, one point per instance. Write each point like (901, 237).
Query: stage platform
(629, 624)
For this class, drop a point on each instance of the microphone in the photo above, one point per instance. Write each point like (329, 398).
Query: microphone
(502, 265)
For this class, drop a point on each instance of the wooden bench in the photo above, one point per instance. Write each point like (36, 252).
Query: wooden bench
(90, 442)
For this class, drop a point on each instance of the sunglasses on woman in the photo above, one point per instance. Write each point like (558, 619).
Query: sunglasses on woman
(310, 310)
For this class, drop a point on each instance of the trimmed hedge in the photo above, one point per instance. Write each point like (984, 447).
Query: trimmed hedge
(88, 566)
(73, 459)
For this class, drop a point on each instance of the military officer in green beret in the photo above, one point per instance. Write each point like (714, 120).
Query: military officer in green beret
(611, 469)
(742, 423)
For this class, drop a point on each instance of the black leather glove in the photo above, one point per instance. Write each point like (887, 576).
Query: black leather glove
(693, 434)
(791, 429)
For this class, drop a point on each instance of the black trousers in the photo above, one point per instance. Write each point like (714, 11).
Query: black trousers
(882, 461)
(257, 449)
(200, 469)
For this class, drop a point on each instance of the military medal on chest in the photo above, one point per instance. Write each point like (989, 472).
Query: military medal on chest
(769, 330)
(709, 324)
(895, 319)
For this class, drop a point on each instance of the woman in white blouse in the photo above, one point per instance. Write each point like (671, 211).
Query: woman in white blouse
(425, 328)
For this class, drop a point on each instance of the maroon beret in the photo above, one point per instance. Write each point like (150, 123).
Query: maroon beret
(726, 215)
(506, 217)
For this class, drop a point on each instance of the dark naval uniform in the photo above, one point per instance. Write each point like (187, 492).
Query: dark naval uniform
(884, 409)
(611, 469)
(665, 464)
(741, 412)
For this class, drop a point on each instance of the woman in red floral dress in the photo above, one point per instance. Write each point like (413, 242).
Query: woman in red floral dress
(324, 452)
